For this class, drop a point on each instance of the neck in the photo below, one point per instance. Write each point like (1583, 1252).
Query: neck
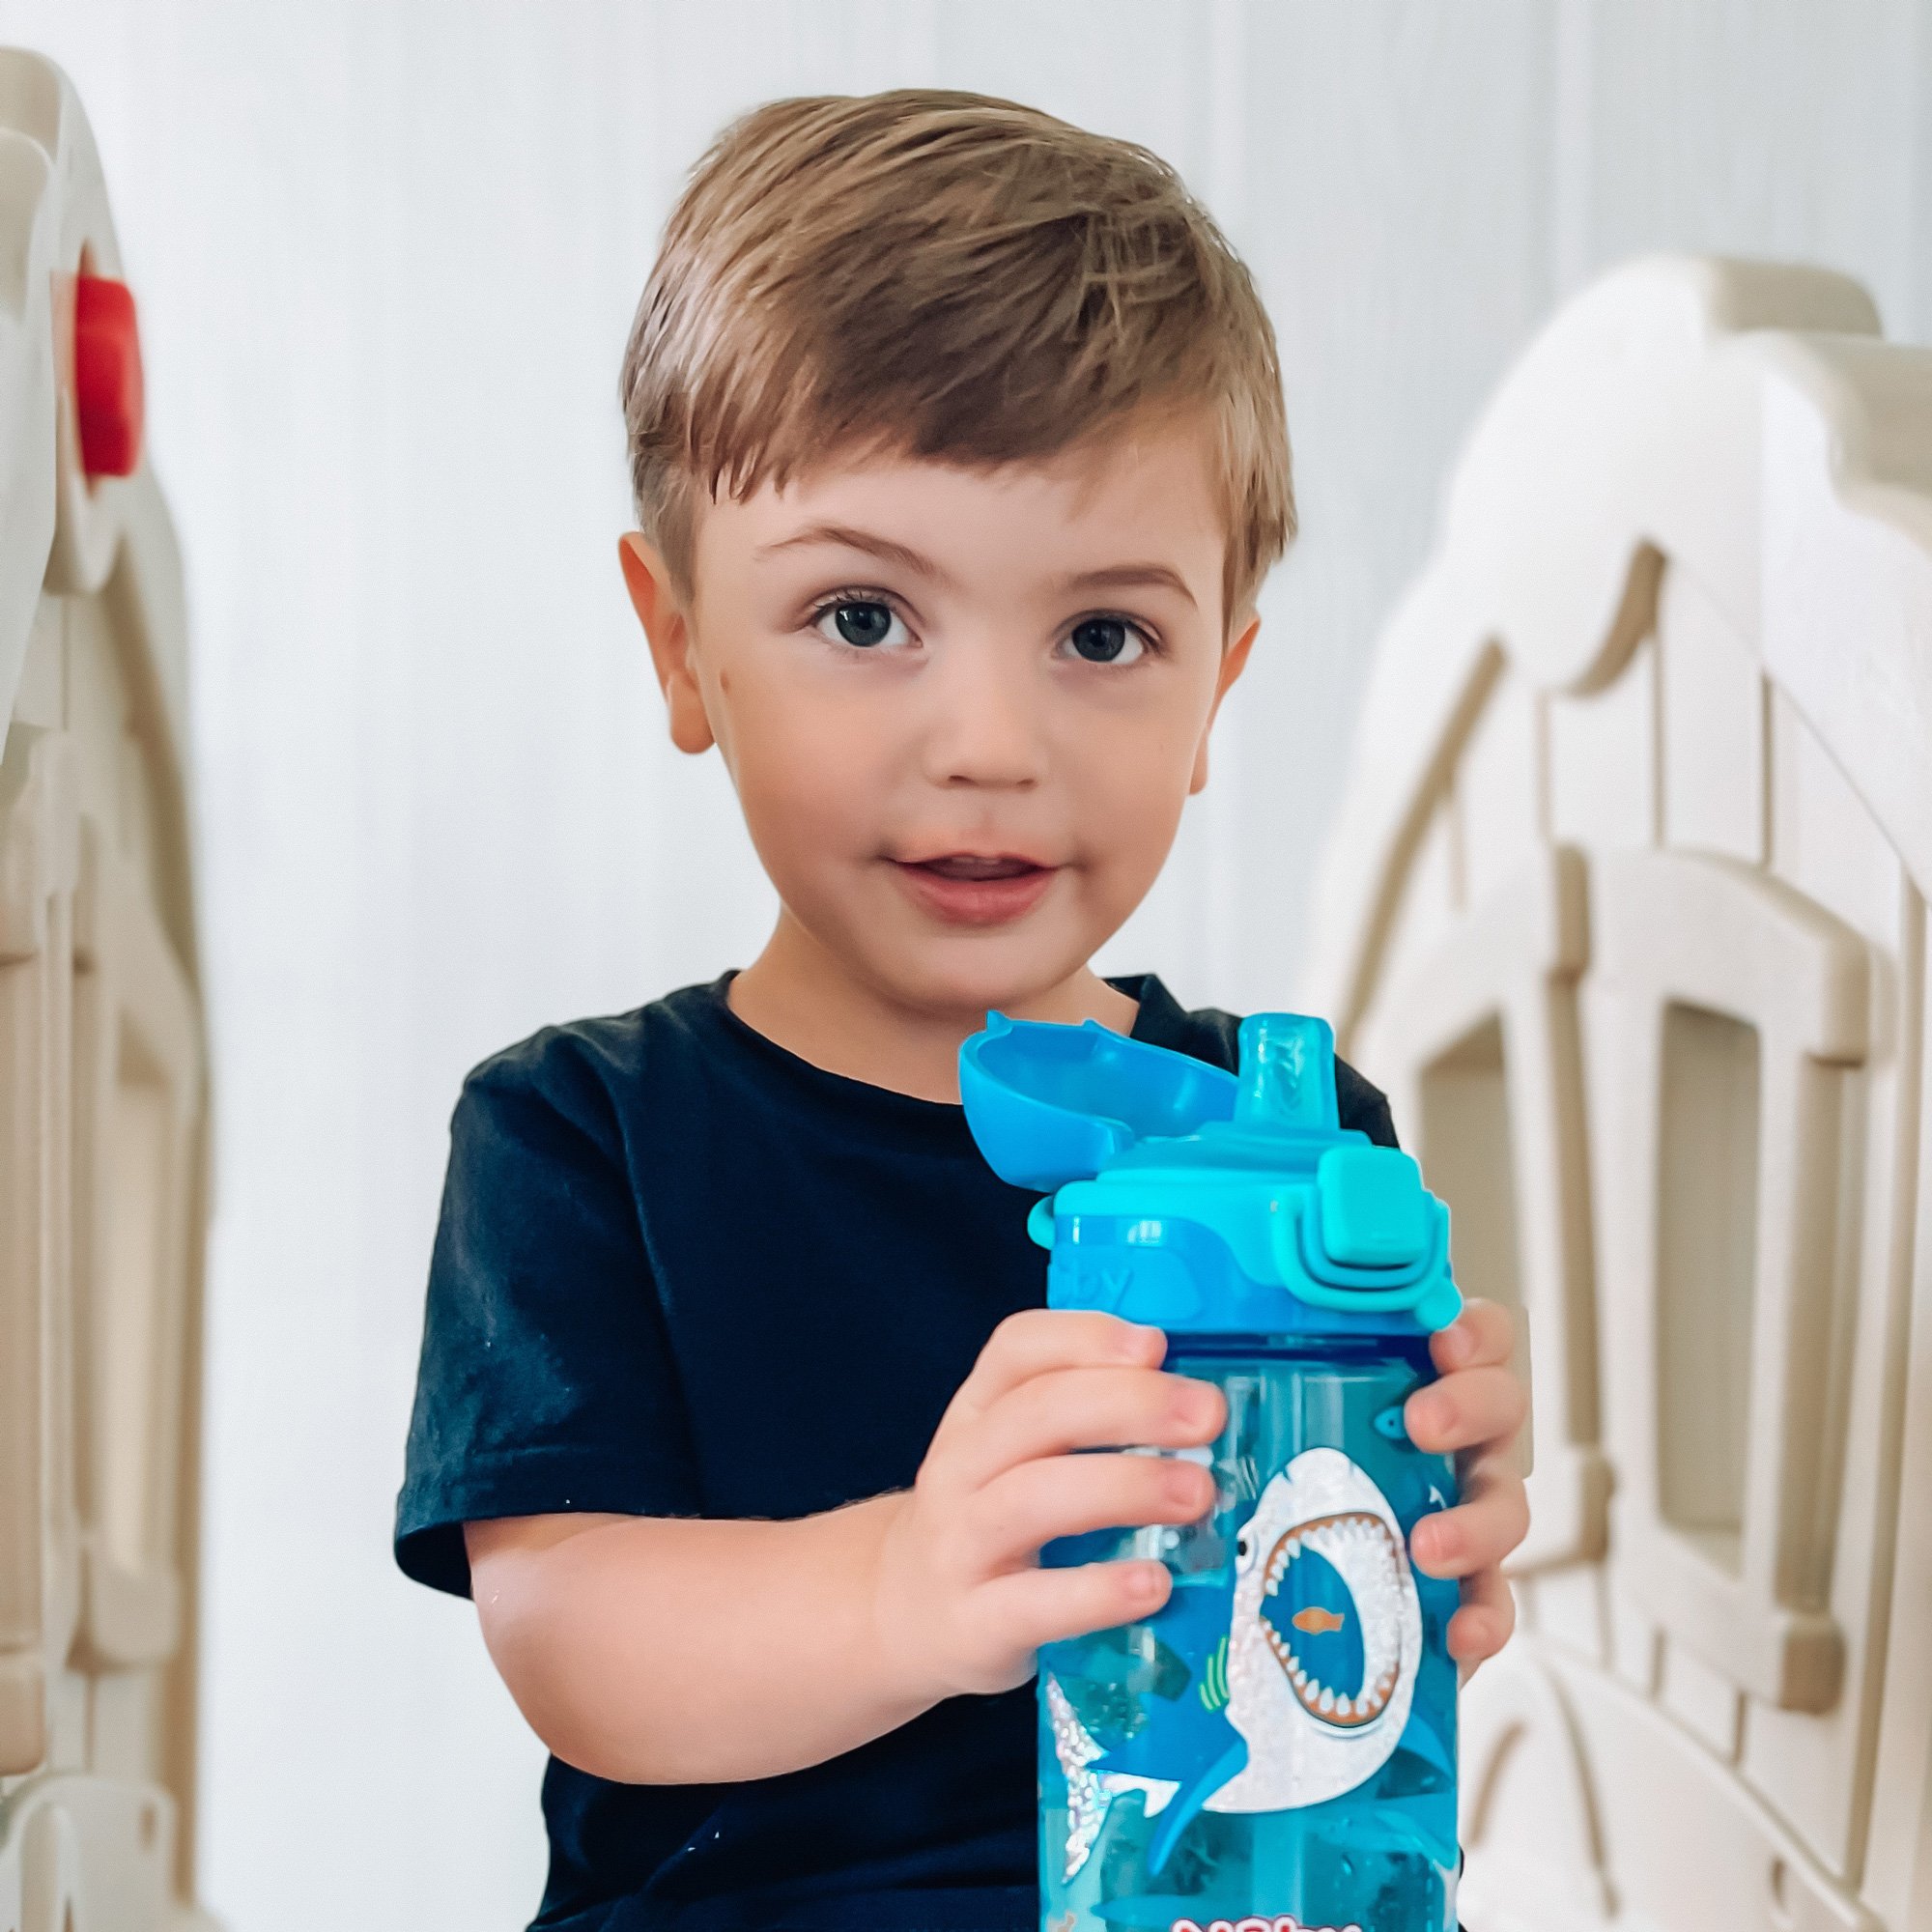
(811, 1003)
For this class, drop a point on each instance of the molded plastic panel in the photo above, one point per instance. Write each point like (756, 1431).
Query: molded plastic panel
(1697, 953)
(1697, 523)
(101, 1087)
(1478, 1043)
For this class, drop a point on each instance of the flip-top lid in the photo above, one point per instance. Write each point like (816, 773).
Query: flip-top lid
(1189, 1196)
(1050, 1103)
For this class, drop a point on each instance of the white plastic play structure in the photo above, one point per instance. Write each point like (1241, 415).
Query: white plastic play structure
(1627, 906)
(101, 1087)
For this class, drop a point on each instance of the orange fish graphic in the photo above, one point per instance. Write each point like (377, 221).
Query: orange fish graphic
(1314, 1620)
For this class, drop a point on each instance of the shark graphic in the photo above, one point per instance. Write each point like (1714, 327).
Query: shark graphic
(1298, 1694)
(1091, 1792)
(1143, 1710)
(1324, 1639)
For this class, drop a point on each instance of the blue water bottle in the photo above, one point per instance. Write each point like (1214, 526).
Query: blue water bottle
(1275, 1750)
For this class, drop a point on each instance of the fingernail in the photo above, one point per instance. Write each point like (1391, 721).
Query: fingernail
(1185, 1484)
(1427, 1412)
(1444, 1542)
(1200, 1404)
(1457, 1344)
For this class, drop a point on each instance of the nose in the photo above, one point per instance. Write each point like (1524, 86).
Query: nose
(985, 725)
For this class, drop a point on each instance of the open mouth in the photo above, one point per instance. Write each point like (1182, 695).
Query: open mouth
(977, 866)
(975, 889)
(1360, 1549)
(1325, 1637)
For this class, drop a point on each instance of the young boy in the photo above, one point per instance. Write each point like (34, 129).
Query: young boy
(959, 456)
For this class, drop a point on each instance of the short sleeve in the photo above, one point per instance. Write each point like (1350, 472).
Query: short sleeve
(547, 1380)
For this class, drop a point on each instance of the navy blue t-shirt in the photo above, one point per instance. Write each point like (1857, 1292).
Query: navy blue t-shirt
(681, 1271)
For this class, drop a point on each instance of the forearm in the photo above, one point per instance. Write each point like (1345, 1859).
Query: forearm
(671, 1651)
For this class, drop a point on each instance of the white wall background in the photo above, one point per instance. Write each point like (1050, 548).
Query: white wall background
(385, 255)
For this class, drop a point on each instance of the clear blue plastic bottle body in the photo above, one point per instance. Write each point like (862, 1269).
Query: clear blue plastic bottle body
(1274, 1751)
(1189, 1772)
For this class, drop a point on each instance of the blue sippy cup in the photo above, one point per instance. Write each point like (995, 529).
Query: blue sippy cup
(1275, 1748)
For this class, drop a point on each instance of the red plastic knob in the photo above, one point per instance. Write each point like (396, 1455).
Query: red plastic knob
(108, 391)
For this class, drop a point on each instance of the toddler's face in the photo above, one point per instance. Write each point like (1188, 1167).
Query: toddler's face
(962, 708)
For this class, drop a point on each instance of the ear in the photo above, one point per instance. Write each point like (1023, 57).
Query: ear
(667, 628)
(1233, 660)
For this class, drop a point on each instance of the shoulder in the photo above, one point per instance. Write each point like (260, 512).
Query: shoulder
(1211, 1035)
(583, 1071)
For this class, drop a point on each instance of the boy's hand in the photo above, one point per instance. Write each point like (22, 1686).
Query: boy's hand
(1474, 1411)
(960, 1601)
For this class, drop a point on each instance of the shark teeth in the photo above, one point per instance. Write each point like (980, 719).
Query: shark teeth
(1360, 1544)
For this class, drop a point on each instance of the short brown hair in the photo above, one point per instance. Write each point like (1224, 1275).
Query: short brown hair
(942, 275)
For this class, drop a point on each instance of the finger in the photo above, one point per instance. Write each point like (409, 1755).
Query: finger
(1082, 1408)
(1484, 1623)
(1036, 1341)
(1468, 1408)
(1482, 1336)
(1067, 1495)
(1479, 1532)
(1032, 1607)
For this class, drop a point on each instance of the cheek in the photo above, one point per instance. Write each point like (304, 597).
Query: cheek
(1130, 796)
(809, 775)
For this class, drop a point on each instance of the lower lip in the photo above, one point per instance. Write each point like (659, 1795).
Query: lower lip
(976, 901)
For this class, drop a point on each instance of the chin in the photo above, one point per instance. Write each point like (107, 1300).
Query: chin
(1000, 971)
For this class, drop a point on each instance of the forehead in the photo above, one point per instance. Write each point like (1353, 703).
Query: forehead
(1144, 494)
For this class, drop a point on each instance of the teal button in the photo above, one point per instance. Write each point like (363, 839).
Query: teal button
(1040, 1222)
(1374, 1209)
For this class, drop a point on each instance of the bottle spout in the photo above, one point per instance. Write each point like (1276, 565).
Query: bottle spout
(1287, 1075)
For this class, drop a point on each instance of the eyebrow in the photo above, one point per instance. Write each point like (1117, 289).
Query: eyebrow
(1130, 576)
(848, 536)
